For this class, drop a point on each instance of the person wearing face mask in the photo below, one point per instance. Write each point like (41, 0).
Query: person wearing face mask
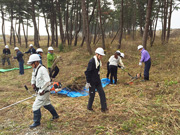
(93, 80)
(41, 84)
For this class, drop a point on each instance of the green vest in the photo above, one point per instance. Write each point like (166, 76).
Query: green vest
(50, 59)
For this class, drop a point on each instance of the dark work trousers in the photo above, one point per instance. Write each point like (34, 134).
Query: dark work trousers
(146, 69)
(113, 71)
(108, 70)
(21, 67)
(101, 95)
(54, 72)
(4, 59)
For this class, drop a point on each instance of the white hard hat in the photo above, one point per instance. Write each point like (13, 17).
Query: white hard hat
(16, 48)
(50, 48)
(140, 47)
(6, 46)
(30, 45)
(122, 55)
(118, 52)
(100, 51)
(33, 58)
(39, 50)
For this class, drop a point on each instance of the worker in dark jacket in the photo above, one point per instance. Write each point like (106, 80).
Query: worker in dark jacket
(93, 80)
(19, 57)
(145, 57)
(31, 50)
(6, 55)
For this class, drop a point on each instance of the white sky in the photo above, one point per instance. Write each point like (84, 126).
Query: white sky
(175, 23)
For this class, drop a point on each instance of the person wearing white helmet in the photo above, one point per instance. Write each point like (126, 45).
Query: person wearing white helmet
(50, 59)
(41, 84)
(145, 57)
(113, 64)
(19, 58)
(6, 55)
(39, 51)
(93, 80)
(31, 50)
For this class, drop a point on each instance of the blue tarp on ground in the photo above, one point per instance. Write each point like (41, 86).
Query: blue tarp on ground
(80, 93)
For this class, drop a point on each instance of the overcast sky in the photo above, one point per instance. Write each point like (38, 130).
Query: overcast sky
(175, 23)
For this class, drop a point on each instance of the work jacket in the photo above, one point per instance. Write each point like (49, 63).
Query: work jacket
(41, 79)
(31, 51)
(6, 51)
(50, 59)
(144, 55)
(115, 62)
(19, 57)
(92, 73)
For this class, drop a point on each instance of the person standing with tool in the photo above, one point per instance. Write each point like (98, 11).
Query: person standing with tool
(93, 80)
(50, 59)
(145, 57)
(39, 51)
(19, 58)
(31, 50)
(114, 62)
(41, 84)
(6, 55)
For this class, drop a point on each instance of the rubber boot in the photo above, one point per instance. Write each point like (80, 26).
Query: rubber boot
(51, 109)
(36, 119)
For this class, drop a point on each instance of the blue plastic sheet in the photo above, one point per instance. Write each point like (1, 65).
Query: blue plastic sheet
(80, 93)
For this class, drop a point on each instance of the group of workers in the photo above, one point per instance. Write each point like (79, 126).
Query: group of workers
(93, 73)
(41, 79)
(19, 56)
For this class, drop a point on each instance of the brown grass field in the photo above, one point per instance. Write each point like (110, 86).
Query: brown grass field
(142, 108)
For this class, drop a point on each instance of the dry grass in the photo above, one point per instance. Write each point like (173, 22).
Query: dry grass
(141, 108)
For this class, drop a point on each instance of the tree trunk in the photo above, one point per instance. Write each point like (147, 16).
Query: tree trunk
(169, 21)
(85, 25)
(46, 26)
(25, 35)
(27, 31)
(52, 23)
(36, 33)
(164, 22)
(67, 22)
(121, 25)
(148, 15)
(56, 26)
(77, 27)
(3, 27)
(12, 30)
(60, 24)
(94, 7)
(155, 26)
(102, 29)
(19, 31)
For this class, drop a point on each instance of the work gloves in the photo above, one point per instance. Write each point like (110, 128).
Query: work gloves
(121, 67)
(88, 85)
(140, 63)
